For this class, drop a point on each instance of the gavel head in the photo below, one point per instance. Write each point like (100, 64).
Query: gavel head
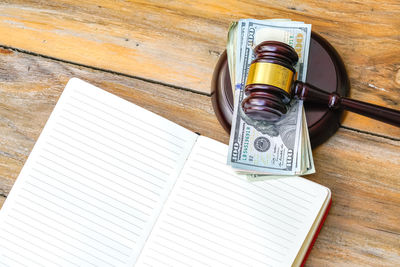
(269, 81)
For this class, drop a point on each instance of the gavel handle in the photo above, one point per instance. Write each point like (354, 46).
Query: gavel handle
(310, 93)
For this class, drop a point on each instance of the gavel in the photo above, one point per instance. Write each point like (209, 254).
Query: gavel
(271, 85)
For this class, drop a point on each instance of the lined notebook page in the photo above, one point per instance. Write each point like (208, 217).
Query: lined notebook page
(94, 183)
(214, 218)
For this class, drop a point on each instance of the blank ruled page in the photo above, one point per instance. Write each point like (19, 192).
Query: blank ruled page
(94, 183)
(215, 218)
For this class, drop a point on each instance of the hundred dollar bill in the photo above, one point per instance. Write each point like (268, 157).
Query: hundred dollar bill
(231, 50)
(308, 163)
(257, 146)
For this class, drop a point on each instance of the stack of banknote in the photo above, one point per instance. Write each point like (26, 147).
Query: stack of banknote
(258, 148)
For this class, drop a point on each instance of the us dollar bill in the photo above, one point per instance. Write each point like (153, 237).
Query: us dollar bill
(308, 162)
(260, 147)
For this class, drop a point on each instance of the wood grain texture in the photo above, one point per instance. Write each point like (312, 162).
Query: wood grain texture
(179, 42)
(362, 228)
(362, 170)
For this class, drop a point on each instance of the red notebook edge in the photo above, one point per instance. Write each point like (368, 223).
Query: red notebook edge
(316, 233)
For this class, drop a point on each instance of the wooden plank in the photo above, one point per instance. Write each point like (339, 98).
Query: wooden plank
(362, 170)
(179, 42)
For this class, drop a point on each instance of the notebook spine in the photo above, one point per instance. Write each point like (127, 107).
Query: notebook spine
(316, 233)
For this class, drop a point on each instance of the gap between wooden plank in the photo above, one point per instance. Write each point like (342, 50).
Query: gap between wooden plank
(369, 133)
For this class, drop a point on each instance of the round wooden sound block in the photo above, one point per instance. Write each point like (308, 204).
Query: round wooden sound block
(325, 70)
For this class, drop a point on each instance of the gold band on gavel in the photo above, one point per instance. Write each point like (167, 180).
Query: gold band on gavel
(270, 73)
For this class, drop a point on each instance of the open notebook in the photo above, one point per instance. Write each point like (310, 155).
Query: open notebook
(111, 184)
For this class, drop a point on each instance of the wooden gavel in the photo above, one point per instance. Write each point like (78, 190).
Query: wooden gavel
(271, 85)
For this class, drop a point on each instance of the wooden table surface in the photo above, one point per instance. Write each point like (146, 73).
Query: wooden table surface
(160, 55)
